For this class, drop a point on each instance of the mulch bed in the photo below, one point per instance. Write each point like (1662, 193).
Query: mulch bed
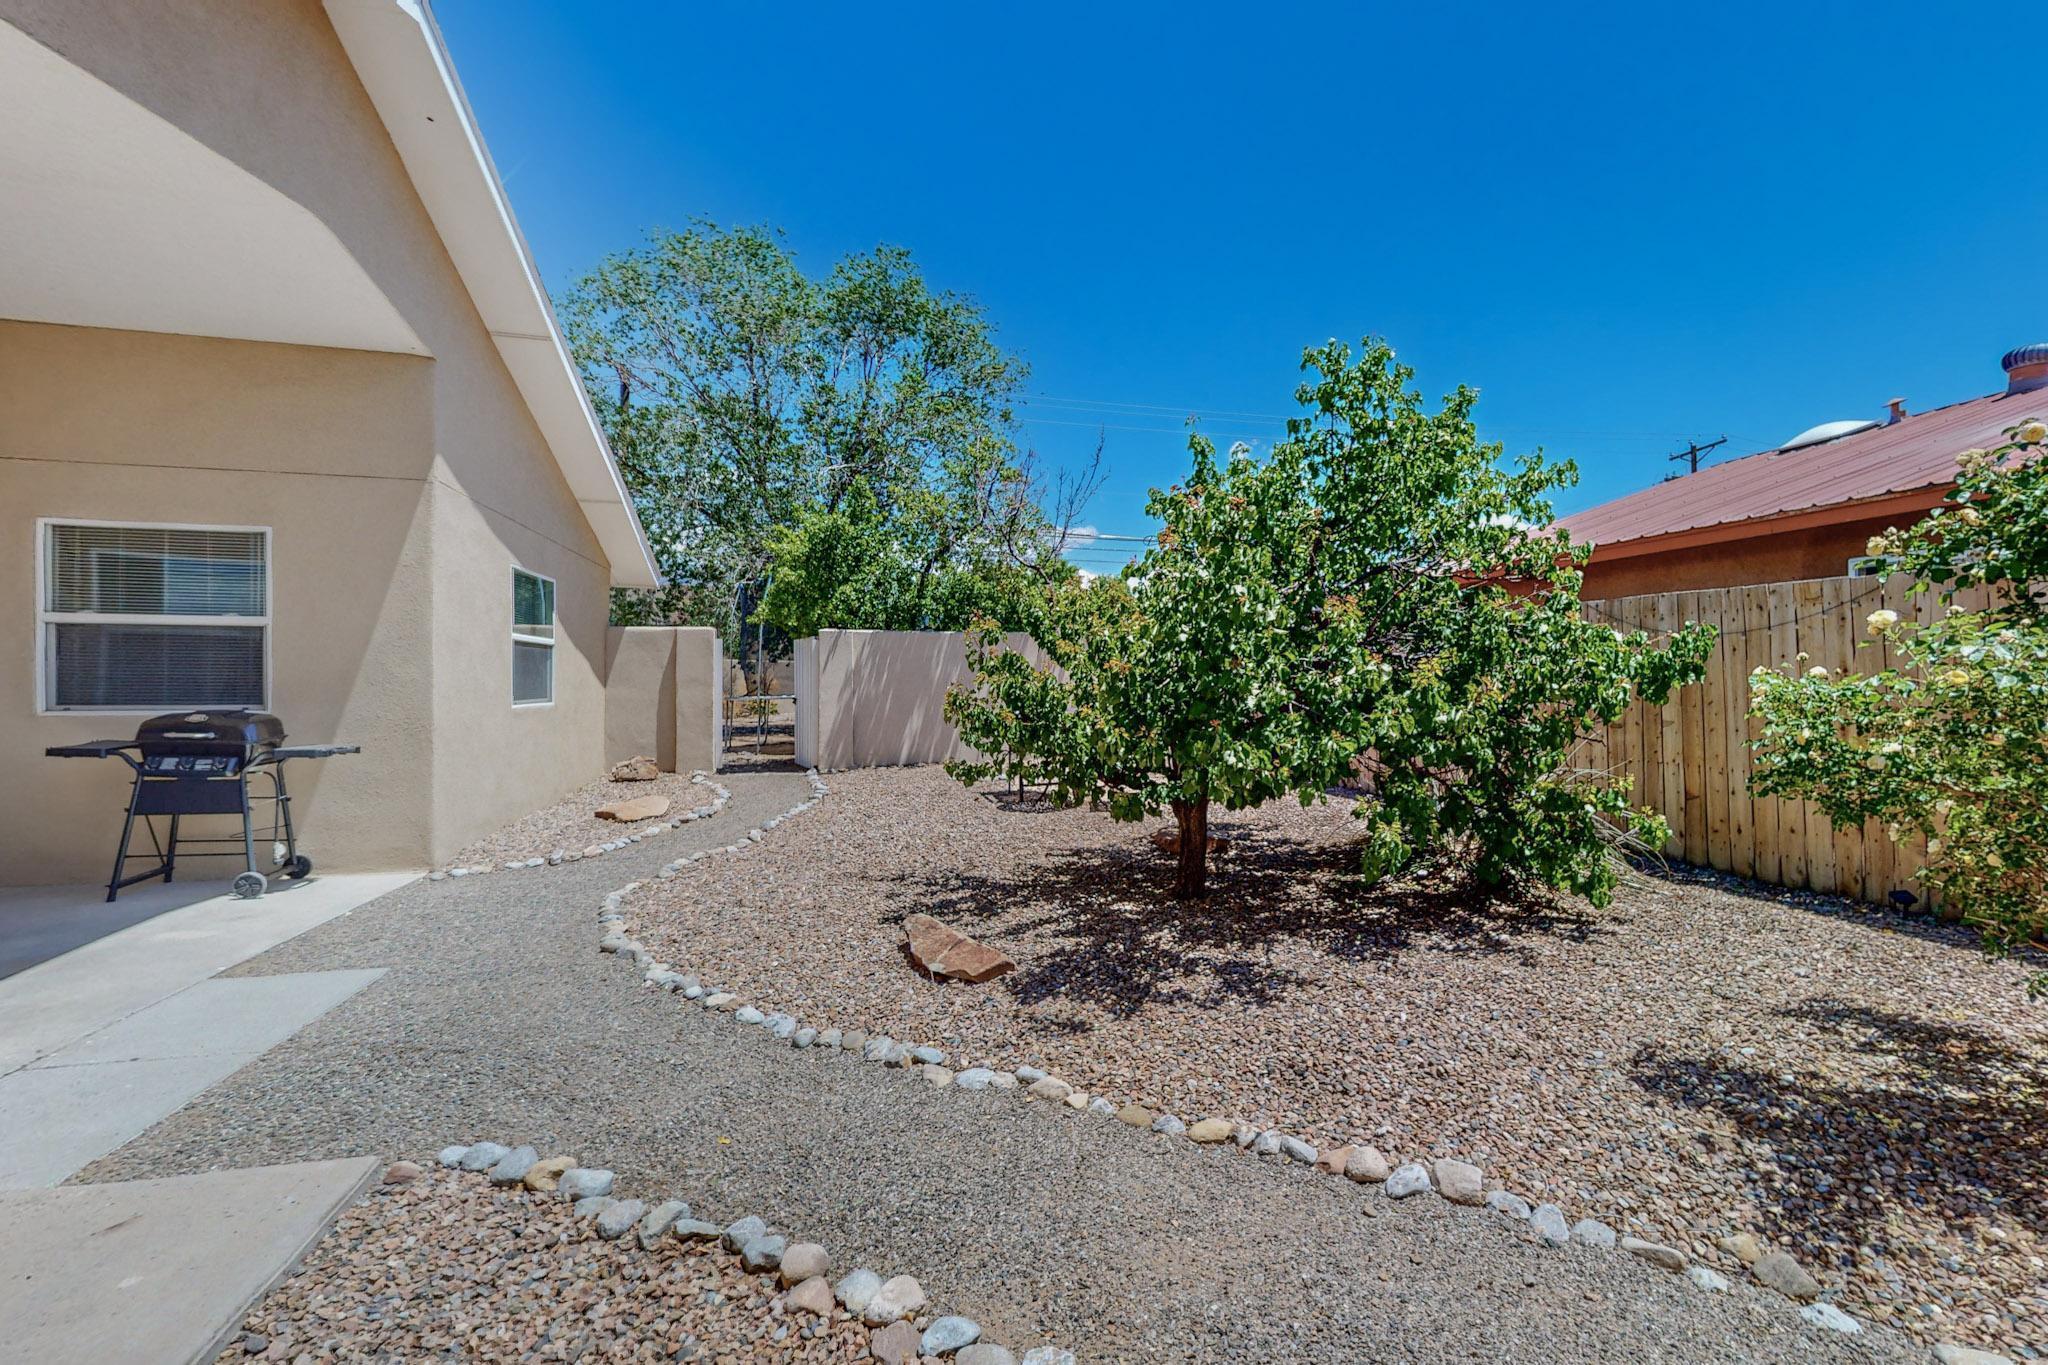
(569, 824)
(451, 1268)
(1867, 1091)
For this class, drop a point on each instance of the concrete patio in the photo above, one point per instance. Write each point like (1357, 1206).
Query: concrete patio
(113, 1017)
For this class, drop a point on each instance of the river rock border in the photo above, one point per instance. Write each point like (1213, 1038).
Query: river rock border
(893, 1309)
(1451, 1180)
(720, 796)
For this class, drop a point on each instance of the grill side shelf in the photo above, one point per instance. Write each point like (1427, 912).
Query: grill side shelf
(310, 751)
(92, 748)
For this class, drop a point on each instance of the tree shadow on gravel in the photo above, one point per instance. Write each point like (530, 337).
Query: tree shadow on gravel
(1098, 925)
(1960, 1127)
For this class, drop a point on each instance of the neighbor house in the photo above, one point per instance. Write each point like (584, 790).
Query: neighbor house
(286, 422)
(1806, 509)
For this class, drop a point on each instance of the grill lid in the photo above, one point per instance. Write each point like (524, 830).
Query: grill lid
(209, 732)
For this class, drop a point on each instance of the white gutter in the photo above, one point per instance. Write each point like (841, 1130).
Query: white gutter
(398, 52)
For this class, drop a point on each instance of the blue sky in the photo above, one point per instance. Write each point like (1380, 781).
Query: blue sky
(1630, 228)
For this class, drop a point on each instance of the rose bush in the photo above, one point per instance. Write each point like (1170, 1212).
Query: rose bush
(1951, 745)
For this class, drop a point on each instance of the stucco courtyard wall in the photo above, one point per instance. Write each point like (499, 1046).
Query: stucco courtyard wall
(876, 698)
(663, 695)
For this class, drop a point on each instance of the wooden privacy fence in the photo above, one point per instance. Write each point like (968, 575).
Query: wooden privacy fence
(1689, 760)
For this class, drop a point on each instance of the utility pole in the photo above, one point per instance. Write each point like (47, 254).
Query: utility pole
(1691, 455)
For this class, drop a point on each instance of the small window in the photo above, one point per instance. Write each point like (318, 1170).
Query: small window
(153, 618)
(533, 639)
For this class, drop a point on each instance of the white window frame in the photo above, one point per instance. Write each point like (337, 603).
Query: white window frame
(45, 617)
(512, 678)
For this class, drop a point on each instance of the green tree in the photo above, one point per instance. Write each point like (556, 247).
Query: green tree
(1374, 602)
(739, 392)
(1951, 745)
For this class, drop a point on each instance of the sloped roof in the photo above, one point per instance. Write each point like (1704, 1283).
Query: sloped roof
(399, 54)
(1913, 455)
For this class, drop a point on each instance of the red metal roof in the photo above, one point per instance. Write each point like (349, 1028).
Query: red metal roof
(1917, 452)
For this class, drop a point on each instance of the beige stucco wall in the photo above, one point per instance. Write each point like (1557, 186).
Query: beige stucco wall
(875, 698)
(402, 490)
(663, 695)
(328, 449)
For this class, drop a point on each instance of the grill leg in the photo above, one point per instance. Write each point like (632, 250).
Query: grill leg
(248, 829)
(127, 830)
(284, 811)
(171, 852)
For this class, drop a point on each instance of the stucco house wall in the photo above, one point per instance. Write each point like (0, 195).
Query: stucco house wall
(401, 490)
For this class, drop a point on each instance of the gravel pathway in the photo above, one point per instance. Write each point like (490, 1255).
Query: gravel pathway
(569, 824)
(1867, 1092)
(498, 1016)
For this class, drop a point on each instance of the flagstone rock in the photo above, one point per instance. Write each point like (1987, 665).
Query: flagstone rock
(943, 951)
(639, 808)
(1137, 1115)
(639, 768)
(1209, 1130)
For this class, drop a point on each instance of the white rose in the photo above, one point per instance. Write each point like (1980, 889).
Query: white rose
(1881, 620)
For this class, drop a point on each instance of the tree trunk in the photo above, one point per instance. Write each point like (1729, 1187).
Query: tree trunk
(1191, 877)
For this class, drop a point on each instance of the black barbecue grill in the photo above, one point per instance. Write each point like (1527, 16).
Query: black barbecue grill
(200, 763)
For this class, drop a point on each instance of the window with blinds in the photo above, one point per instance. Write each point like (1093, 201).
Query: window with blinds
(533, 639)
(153, 618)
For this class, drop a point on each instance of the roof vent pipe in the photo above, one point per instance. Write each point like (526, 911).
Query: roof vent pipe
(1897, 413)
(2026, 368)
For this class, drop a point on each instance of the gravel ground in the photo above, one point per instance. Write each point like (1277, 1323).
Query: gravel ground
(569, 824)
(1864, 1091)
(498, 1016)
(450, 1268)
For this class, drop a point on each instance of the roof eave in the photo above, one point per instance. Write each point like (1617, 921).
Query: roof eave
(1749, 528)
(404, 64)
